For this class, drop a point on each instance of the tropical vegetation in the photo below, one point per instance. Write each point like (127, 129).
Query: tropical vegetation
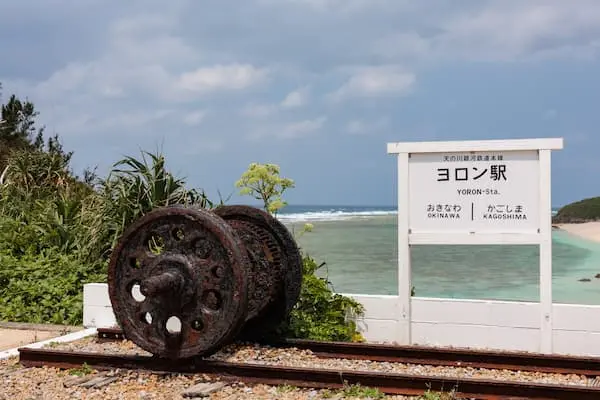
(57, 229)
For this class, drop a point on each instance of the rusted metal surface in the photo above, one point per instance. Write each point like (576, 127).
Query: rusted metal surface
(451, 357)
(185, 281)
(197, 276)
(109, 334)
(275, 273)
(317, 378)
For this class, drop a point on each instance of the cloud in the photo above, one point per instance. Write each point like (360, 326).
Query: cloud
(402, 46)
(302, 128)
(258, 110)
(376, 81)
(500, 31)
(143, 58)
(292, 100)
(194, 118)
(204, 78)
(289, 130)
(326, 5)
(362, 127)
(143, 69)
(221, 77)
(295, 99)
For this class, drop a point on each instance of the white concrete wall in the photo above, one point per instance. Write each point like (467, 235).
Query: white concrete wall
(97, 309)
(485, 324)
(481, 324)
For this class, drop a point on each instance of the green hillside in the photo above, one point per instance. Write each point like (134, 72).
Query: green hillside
(580, 211)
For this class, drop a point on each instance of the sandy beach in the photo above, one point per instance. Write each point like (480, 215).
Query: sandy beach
(586, 230)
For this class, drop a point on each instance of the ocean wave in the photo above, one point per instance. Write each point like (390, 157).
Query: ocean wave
(332, 215)
(337, 215)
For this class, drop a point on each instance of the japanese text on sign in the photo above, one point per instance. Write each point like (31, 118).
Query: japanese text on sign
(474, 192)
(473, 157)
(496, 173)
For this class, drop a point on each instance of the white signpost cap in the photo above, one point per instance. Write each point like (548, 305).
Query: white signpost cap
(475, 145)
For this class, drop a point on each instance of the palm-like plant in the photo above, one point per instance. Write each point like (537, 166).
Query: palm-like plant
(135, 187)
(37, 173)
(36, 190)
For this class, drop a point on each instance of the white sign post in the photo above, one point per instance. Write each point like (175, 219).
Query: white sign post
(475, 192)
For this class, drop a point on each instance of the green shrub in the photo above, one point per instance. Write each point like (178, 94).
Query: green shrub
(18, 237)
(321, 314)
(44, 287)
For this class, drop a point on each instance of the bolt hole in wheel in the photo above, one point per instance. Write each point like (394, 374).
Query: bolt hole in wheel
(156, 244)
(147, 318)
(202, 248)
(136, 293)
(217, 271)
(178, 234)
(212, 300)
(173, 325)
(197, 325)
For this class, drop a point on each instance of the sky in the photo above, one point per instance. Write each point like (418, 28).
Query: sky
(317, 86)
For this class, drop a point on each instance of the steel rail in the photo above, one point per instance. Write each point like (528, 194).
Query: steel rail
(308, 377)
(513, 361)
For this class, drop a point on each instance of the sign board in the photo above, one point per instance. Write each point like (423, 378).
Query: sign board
(474, 192)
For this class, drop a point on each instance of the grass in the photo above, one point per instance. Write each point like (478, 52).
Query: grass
(358, 391)
(285, 388)
(354, 391)
(81, 371)
(429, 395)
(362, 392)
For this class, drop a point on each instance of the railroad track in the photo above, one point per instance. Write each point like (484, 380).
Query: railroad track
(334, 378)
(512, 361)
(310, 377)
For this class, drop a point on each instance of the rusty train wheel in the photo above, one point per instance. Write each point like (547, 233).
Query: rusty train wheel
(275, 275)
(186, 297)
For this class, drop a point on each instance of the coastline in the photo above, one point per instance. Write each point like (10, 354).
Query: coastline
(586, 230)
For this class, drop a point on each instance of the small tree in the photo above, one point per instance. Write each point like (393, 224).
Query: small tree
(262, 181)
(319, 313)
(17, 128)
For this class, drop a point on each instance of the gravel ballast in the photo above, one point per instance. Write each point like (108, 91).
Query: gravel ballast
(291, 357)
(51, 383)
(42, 383)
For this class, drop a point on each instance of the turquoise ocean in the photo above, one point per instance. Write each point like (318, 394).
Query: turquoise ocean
(359, 247)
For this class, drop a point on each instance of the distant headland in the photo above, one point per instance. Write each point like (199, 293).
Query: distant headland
(586, 210)
(581, 218)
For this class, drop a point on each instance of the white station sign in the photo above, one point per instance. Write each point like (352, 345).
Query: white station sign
(481, 192)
